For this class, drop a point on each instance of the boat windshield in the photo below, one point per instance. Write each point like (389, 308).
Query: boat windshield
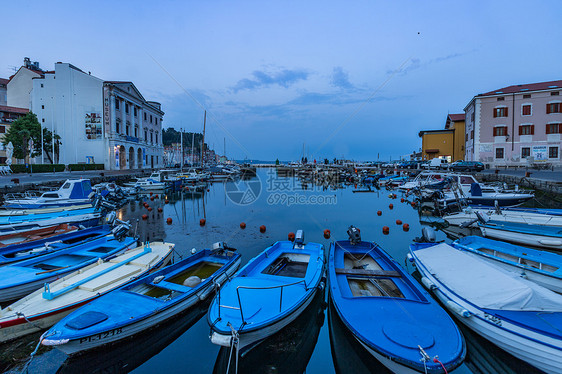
(289, 265)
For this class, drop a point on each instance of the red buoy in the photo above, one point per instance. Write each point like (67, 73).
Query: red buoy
(202, 222)
(402, 200)
(385, 230)
(160, 210)
(398, 222)
(242, 225)
(379, 213)
(151, 193)
(166, 201)
(151, 198)
(149, 209)
(145, 216)
(327, 234)
(391, 206)
(262, 229)
(406, 227)
(291, 236)
(169, 220)
(156, 196)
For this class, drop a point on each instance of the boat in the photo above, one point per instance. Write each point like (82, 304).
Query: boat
(513, 313)
(144, 303)
(388, 312)
(26, 251)
(44, 307)
(543, 217)
(270, 292)
(20, 279)
(521, 233)
(17, 224)
(72, 192)
(23, 212)
(34, 235)
(541, 267)
(145, 185)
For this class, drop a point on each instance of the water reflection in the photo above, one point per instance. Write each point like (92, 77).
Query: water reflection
(288, 351)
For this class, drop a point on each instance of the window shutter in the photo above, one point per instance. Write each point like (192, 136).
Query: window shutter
(495, 131)
(532, 129)
(547, 128)
(506, 113)
(547, 109)
(495, 113)
(520, 130)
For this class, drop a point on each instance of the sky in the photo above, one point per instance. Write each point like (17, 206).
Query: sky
(354, 79)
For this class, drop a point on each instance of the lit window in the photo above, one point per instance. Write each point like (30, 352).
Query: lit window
(552, 152)
(499, 153)
(500, 112)
(526, 130)
(525, 152)
(526, 110)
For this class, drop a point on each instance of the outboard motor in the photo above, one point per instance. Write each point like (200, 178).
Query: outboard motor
(120, 232)
(299, 238)
(428, 236)
(354, 235)
(110, 218)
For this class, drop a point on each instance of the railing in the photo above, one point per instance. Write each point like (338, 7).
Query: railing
(256, 288)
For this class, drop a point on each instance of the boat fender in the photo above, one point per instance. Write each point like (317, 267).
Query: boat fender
(554, 243)
(158, 279)
(192, 281)
(409, 257)
(456, 308)
(428, 284)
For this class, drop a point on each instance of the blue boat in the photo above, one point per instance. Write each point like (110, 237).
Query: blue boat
(72, 192)
(541, 267)
(144, 303)
(388, 312)
(522, 233)
(26, 251)
(86, 217)
(22, 278)
(270, 292)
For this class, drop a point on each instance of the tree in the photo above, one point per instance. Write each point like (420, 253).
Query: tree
(25, 135)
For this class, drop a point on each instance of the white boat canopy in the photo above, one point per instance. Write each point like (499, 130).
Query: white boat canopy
(483, 284)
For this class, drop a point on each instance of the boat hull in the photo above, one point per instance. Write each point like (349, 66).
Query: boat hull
(522, 238)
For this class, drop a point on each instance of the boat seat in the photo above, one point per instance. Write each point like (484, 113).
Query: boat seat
(373, 273)
(144, 261)
(116, 275)
(172, 286)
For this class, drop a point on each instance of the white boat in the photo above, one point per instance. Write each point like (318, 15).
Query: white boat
(468, 216)
(538, 236)
(513, 313)
(46, 306)
(23, 212)
(72, 192)
(143, 185)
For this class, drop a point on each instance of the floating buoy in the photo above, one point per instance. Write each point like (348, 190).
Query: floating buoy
(145, 216)
(149, 209)
(402, 200)
(166, 201)
(406, 227)
(160, 210)
(379, 213)
(398, 222)
(262, 229)
(391, 206)
(385, 230)
(291, 236)
(156, 196)
(151, 198)
(145, 204)
(242, 225)
(414, 204)
(327, 234)
(169, 220)
(202, 222)
(208, 190)
(151, 193)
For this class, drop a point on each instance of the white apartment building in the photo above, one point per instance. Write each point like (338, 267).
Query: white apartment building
(98, 121)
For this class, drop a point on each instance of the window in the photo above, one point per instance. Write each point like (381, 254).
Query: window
(466, 137)
(471, 134)
(156, 138)
(501, 98)
(499, 153)
(553, 108)
(151, 137)
(42, 106)
(555, 93)
(500, 112)
(155, 120)
(117, 104)
(43, 120)
(554, 128)
(145, 136)
(135, 111)
(145, 116)
(526, 110)
(117, 130)
(472, 116)
(42, 85)
(2, 129)
(526, 129)
(151, 118)
(500, 131)
(525, 152)
(126, 108)
(136, 131)
(527, 96)
(552, 152)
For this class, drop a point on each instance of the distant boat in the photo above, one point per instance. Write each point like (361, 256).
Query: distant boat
(143, 303)
(72, 192)
(388, 312)
(539, 236)
(270, 292)
(34, 235)
(541, 267)
(44, 307)
(20, 279)
(513, 313)
(17, 224)
(26, 251)
(543, 217)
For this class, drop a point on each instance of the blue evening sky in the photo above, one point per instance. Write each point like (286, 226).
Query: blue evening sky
(357, 79)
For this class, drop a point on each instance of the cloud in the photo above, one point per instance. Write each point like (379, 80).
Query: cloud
(261, 79)
(340, 78)
(416, 63)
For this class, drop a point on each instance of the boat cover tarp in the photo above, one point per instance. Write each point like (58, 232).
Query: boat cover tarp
(483, 284)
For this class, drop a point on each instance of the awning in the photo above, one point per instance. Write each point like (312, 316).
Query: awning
(432, 151)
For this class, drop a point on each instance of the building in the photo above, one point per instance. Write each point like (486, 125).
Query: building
(4, 91)
(446, 143)
(515, 126)
(98, 121)
(8, 115)
(21, 83)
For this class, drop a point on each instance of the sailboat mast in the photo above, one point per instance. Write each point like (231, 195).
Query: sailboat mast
(203, 145)
(192, 144)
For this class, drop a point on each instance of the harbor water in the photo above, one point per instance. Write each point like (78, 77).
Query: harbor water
(317, 341)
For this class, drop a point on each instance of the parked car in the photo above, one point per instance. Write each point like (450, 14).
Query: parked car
(468, 166)
(438, 163)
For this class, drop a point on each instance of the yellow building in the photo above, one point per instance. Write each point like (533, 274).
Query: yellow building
(447, 143)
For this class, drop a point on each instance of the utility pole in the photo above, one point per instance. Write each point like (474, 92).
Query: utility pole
(181, 142)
